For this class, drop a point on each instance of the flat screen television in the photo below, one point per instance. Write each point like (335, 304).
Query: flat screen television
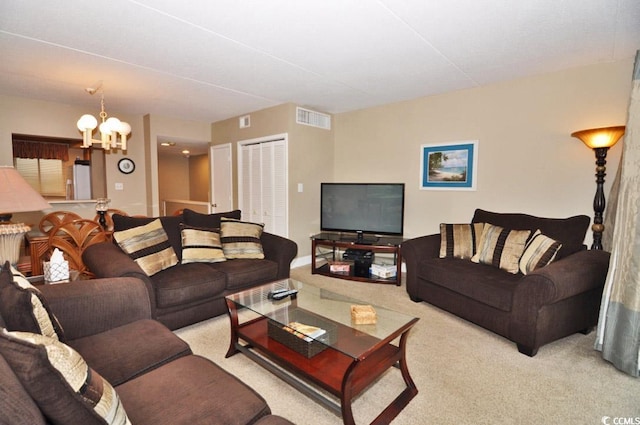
(362, 208)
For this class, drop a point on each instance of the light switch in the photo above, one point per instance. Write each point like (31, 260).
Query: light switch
(300, 188)
(119, 186)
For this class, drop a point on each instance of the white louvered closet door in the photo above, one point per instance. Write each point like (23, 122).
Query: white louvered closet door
(263, 185)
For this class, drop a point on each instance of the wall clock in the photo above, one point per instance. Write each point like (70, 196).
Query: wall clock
(126, 166)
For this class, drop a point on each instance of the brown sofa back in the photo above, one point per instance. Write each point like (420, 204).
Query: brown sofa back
(569, 231)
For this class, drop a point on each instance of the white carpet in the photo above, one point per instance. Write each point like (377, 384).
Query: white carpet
(464, 374)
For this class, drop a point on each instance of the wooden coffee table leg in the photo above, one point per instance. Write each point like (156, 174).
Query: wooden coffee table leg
(347, 395)
(233, 317)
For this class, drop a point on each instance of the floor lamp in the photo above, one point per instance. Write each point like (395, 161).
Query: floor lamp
(600, 140)
(16, 195)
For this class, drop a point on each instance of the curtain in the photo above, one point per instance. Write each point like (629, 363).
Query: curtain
(42, 150)
(618, 334)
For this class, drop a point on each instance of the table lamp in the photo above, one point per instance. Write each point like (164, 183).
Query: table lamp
(600, 140)
(16, 195)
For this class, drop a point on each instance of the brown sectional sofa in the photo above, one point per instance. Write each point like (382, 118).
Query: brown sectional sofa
(155, 375)
(531, 310)
(188, 293)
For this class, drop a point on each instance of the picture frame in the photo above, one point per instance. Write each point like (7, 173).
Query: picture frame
(449, 166)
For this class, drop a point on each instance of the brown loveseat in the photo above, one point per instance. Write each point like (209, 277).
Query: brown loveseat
(108, 322)
(546, 304)
(188, 293)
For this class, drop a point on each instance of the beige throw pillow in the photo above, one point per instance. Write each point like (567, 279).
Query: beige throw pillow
(540, 251)
(460, 240)
(149, 246)
(501, 247)
(241, 239)
(201, 245)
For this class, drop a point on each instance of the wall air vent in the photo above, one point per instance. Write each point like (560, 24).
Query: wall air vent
(245, 121)
(313, 118)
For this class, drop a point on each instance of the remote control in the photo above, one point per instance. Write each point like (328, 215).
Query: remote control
(276, 291)
(285, 294)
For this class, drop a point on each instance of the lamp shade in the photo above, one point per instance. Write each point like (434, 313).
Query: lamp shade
(604, 137)
(16, 195)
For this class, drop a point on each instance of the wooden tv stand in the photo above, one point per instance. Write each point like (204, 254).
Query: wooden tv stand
(336, 243)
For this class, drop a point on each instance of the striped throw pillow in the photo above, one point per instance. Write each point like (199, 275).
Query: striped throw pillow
(149, 246)
(24, 308)
(61, 383)
(501, 247)
(460, 240)
(201, 245)
(241, 239)
(540, 251)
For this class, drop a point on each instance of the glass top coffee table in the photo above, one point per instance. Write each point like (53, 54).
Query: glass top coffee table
(312, 341)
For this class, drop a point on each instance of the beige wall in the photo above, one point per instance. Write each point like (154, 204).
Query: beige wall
(199, 177)
(156, 127)
(173, 180)
(527, 160)
(310, 156)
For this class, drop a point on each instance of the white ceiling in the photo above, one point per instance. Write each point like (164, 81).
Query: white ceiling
(209, 60)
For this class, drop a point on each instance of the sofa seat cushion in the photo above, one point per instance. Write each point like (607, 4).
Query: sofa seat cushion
(186, 283)
(198, 392)
(483, 283)
(125, 352)
(246, 272)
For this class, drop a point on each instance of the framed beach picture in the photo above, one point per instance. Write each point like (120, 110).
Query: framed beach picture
(449, 166)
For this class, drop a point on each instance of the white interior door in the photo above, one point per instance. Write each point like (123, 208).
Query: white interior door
(221, 196)
(262, 183)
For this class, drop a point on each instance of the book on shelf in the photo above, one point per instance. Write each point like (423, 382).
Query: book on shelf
(384, 270)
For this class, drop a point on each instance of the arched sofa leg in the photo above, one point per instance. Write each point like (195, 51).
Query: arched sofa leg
(528, 351)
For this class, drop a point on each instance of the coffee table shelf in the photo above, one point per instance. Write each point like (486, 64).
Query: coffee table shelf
(342, 371)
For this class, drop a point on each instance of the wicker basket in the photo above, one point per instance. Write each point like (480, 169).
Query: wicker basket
(308, 349)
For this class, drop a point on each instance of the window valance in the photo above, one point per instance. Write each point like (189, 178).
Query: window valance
(27, 149)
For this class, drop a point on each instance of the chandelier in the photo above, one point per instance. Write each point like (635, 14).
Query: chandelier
(110, 128)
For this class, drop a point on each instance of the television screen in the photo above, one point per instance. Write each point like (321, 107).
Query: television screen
(376, 208)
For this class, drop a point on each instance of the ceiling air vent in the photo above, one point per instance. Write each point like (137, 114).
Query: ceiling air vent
(313, 118)
(245, 121)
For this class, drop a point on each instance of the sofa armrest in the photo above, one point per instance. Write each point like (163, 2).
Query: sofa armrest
(575, 274)
(413, 251)
(106, 259)
(88, 307)
(579, 276)
(281, 250)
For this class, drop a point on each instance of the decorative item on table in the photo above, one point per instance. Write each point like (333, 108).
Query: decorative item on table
(384, 271)
(339, 267)
(363, 315)
(306, 332)
(57, 268)
(102, 206)
(312, 333)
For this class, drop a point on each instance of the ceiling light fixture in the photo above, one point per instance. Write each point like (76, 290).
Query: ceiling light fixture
(110, 128)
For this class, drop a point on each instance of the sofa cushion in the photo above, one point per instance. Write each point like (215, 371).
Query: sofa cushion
(483, 283)
(16, 405)
(246, 272)
(501, 247)
(23, 308)
(170, 224)
(127, 351)
(60, 382)
(198, 390)
(241, 239)
(211, 221)
(460, 240)
(570, 232)
(201, 245)
(187, 283)
(540, 251)
(149, 246)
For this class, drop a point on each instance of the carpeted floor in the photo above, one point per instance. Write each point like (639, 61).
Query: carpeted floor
(464, 374)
